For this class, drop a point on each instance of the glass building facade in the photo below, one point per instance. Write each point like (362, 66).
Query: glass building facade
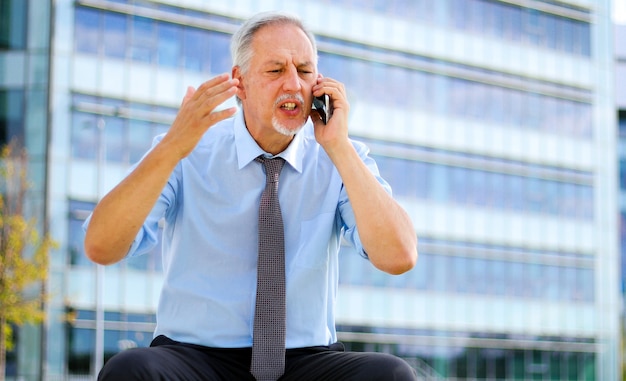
(25, 36)
(492, 120)
(620, 101)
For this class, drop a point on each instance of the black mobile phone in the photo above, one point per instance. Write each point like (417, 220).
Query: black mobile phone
(323, 106)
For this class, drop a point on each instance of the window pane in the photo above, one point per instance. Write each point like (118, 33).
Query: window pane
(81, 346)
(219, 53)
(11, 115)
(84, 136)
(13, 24)
(115, 29)
(86, 26)
(142, 41)
(169, 44)
(194, 45)
(139, 139)
(78, 212)
(75, 244)
(114, 140)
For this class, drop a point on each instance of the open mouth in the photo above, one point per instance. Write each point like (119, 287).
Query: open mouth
(289, 106)
(289, 103)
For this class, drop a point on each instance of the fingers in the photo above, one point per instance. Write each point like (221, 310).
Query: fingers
(337, 92)
(209, 96)
(199, 112)
(218, 94)
(218, 116)
(188, 94)
(216, 86)
(329, 86)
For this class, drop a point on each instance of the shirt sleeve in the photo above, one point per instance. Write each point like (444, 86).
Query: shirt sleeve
(148, 235)
(350, 232)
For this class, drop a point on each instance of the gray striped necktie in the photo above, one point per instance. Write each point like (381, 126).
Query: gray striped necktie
(268, 341)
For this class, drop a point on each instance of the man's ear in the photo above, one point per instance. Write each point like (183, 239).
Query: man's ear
(236, 73)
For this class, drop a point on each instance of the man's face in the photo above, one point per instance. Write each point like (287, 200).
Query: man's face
(275, 91)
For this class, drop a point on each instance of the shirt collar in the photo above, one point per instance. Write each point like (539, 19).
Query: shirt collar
(248, 149)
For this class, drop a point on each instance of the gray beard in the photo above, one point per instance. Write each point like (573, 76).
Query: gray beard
(284, 130)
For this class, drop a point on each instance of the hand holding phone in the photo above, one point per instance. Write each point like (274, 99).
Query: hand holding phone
(323, 106)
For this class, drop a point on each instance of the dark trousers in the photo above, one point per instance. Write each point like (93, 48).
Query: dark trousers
(169, 360)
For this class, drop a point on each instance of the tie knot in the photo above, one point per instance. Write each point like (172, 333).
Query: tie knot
(272, 167)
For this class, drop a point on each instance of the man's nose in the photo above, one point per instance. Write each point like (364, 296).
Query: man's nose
(292, 80)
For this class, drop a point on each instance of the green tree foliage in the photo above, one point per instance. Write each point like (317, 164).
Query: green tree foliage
(23, 252)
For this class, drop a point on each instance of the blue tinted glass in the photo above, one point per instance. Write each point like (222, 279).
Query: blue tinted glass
(582, 195)
(438, 273)
(490, 189)
(622, 172)
(569, 35)
(143, 39)
(475, 15)
(550, 192)
(86, 30)
(481, 276)
(13, 24)
(584, 38)
(139, 138)
(549, 28)
(413, 174)
(533, 112)
(437, 182)
(501, 279)
(115, 32)
(458, 10)
(82, 341)
(397, 79)
(113, 316)
(585, 285)
(158, 129)
(477, 192)
(458, 104)
(422, 173)
(114, 140)
(169, 46)
(497, 191)
(194, 45)
(84, 136)
(480, 100)
(517, 107)
(534, 199)
(512, 22)
(76, 238)
(495, 109)
(12, 116)
(457, 184)
(494, 19)
(354, 71)
(219, 53)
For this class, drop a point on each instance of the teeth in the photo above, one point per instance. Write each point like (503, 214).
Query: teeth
(289, 106)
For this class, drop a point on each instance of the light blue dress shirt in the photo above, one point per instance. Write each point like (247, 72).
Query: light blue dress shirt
(210, 208)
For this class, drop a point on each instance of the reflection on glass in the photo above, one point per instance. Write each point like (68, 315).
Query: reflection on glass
(11, 115)
(114, 40)
(169, 45)
(86, 30)
(467, 274)
(142, 39)
(467, 186)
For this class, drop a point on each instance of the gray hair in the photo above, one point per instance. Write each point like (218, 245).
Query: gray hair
(241, 43)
